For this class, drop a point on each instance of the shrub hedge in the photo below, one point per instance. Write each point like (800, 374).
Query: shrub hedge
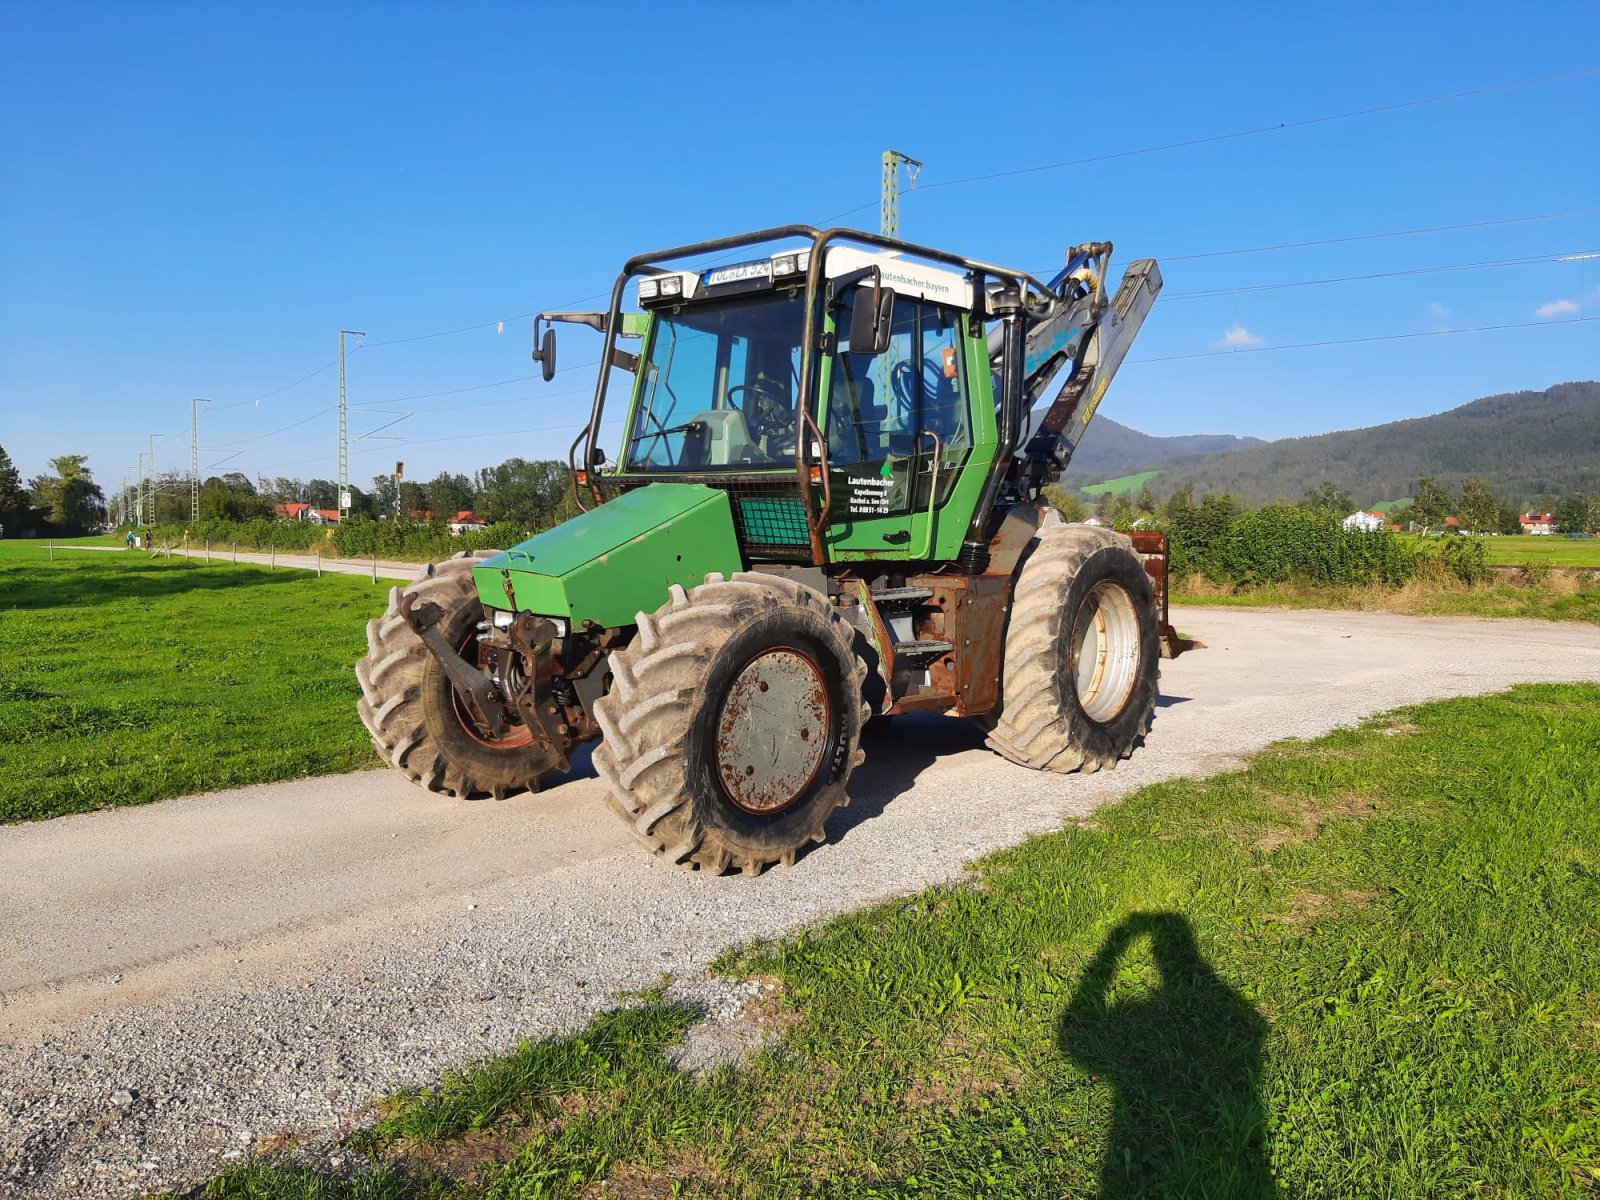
(412, 541)
(1282, 543)
(1215, 538)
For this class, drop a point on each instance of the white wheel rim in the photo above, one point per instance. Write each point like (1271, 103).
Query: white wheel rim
(1105, 651)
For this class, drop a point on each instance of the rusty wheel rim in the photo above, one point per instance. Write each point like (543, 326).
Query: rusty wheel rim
(515, 736)
(772, 732)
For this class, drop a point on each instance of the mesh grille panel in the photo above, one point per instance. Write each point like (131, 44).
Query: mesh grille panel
(769, 515)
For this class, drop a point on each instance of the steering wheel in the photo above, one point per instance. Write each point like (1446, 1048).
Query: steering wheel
(764, 411)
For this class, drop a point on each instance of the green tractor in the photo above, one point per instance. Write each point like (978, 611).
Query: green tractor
(825, 507)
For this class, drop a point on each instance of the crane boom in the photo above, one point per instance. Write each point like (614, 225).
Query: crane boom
(1079, 333)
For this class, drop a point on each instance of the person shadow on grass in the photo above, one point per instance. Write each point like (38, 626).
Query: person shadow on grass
(1185, 1063)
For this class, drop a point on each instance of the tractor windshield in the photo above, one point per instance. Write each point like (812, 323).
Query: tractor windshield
(718, 386)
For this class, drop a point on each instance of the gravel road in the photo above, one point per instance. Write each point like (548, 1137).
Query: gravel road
(384, 568)
(183, 981)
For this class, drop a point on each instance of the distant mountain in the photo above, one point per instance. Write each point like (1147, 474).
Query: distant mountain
(1523, 444)
(1109, 450)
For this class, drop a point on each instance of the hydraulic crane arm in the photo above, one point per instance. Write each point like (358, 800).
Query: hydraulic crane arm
(1085, 337)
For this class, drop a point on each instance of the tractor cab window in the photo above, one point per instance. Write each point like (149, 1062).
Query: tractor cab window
(881, 406)
(718, 388)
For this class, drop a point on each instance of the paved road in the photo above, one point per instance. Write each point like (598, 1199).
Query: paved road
(269, 958)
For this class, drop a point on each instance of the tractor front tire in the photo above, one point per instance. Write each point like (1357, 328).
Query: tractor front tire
(733, 723)
(419, 725)
(1082, 653)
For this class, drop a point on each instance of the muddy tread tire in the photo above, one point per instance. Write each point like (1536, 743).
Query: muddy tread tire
(1041, 723)
(659, 694)
(406, 698)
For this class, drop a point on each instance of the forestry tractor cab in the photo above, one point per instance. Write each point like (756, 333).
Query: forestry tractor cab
(824, 506)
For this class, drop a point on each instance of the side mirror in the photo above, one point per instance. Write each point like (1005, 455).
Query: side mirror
(544, 353)
(599, 459)
(871, 319)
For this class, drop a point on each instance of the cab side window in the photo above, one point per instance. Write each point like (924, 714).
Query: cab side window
(879, 407)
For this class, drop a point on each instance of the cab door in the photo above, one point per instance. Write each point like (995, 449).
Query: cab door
(899, 430)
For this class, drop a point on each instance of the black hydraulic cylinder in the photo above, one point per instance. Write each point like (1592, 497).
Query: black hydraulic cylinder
(1007, 305)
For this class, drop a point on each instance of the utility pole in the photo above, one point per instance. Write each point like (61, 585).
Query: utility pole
(889, 205)
(151, 487)
(138, 493)
(344, 431)
(194, 458)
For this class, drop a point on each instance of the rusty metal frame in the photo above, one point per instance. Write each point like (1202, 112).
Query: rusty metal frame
(1152, 548)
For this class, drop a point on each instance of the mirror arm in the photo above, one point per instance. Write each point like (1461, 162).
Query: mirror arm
(837, 286)
(596, 321)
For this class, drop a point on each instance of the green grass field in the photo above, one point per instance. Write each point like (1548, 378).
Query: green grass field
(1364, 966)
(1123, 485)
(129, 679)
(1555, 549)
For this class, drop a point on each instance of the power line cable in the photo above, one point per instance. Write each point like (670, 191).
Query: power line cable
(1261, 129)
(273, 433)
(1140, 151)
(1299, 283)
(328, 366)
(1386, 337)
(1372, 237)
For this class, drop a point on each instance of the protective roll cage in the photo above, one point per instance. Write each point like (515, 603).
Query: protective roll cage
(1019, 296)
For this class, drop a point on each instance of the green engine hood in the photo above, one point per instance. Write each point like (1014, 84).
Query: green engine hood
(618, 559)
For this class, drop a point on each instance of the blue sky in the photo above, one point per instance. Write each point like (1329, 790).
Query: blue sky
(195, 198)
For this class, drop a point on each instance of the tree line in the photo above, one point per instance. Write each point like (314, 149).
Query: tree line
(1473, 503)
(66, 500)
(527, 492)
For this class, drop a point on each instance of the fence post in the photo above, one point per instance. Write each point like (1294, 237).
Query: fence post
(274, 564)
(236, 554)
(53, 554)
(374, 566)
(319, 562)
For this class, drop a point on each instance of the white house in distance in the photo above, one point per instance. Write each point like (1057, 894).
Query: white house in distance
(1537, 522)
(465, 521)
(1366, 522)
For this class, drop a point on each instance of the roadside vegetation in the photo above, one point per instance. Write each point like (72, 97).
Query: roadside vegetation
(129, 678)
(404, 540)
(1363, 965)
(1301, 556)
(1297, 557)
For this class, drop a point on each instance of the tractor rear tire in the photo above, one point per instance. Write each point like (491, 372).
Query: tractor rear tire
(419, 725)
(733, 723)
(1082, 653)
